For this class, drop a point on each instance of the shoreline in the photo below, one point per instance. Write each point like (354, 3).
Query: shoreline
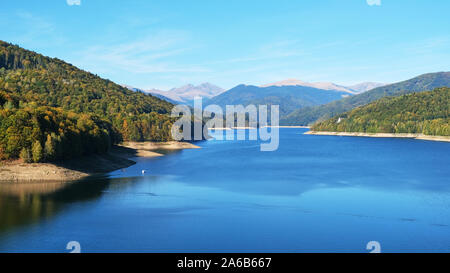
(285, 126)
(232, 128)
(382, 135)
(253, 128)
(75, 169)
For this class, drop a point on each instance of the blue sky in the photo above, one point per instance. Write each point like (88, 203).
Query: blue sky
(163, 44)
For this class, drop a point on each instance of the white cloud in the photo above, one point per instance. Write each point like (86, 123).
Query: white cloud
(156, 53)
(374, 2)
(269, 51)
(34, 31)
(74, 2)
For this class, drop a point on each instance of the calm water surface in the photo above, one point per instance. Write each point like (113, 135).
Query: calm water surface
(314, 194)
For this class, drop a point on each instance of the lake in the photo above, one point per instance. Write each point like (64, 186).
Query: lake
(314, 194)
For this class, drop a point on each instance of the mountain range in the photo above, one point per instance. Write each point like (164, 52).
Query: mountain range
(289, 98)
(186, 94)
(421, 83)
(153, 94)
(302, 103)
(354, 89)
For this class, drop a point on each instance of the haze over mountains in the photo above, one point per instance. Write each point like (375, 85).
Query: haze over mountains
(366, 86)
(148, 92)
(185, 94)
(358, 88)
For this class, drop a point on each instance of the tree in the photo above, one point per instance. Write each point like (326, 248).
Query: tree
(8, 105)
(25, 155)
(37, 152)
(50, 148)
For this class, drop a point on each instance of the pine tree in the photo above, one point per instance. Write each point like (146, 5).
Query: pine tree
(25, 155)
(37, 152)
(50, 148)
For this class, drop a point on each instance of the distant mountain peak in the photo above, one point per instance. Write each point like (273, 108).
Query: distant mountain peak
(319, 85)
(353, 89)
(287, 82)
(187, 92)
(366, 86)
(208, 85)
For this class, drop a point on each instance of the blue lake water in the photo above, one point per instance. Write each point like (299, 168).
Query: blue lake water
(314, 194)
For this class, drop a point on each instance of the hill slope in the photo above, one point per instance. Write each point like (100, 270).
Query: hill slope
(425, 113)
(310, 115)
(288, 97)
(44, 98)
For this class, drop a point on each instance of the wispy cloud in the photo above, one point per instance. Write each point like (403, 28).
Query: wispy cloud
(270, 51)
(35, 30)
(429, 46)
(374, 2)
(73, 2)
(39, 24)
(152, 54)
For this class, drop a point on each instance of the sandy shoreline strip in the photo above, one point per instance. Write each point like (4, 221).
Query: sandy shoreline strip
(220, 129)
(244, 128)
(151, 149)
(76, 169)
(253, 128)
(45, 172)
(382, 135)
(302, 127)
(232, 128)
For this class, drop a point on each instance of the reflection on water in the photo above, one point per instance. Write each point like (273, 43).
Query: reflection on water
(314, 194)
(26, 203)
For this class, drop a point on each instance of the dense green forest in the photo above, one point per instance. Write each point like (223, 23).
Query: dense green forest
(44, 100)
(425, 113)
(309, 115)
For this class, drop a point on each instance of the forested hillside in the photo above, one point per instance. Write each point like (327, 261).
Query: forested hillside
(44, 100)
(421, 83)
(421, 113)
